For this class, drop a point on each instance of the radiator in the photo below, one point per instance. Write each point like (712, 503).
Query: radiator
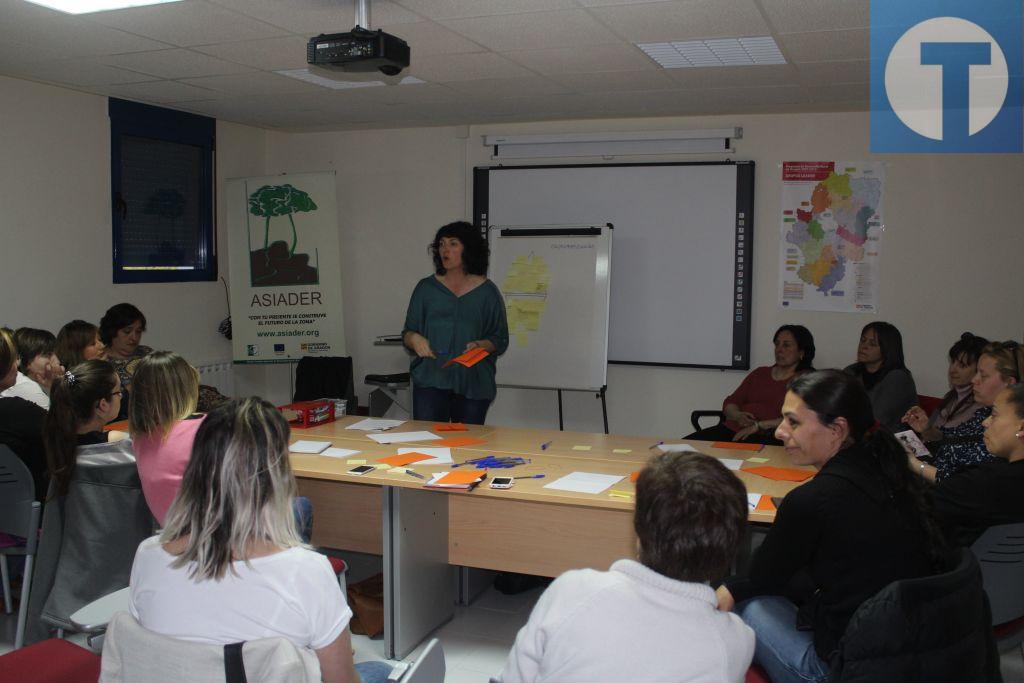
(219, 375)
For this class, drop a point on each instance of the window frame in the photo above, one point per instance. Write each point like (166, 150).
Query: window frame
(167, 125)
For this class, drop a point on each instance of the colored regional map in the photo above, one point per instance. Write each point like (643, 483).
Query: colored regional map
(526, 292)
(831, 235)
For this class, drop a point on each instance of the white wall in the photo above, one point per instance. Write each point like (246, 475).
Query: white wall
(55, 264)
(951, 250)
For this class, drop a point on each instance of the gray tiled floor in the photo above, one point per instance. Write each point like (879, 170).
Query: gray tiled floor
(476, 642)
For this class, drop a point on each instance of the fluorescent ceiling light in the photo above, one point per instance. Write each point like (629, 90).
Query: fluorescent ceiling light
(717, 52)
(325, 82)
(86, 6)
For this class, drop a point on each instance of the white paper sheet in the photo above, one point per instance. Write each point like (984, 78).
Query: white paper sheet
(442, 456)
(372, 423)
(339, 452)
(677, 448)
(731, 463)
(753, 499)
(309, 446)
(403, 437)
(585, 482)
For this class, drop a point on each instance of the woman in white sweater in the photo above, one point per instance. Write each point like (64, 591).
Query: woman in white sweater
(656, 619)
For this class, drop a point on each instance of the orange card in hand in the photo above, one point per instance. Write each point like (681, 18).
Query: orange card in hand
(469, 358)
(404, 459)
(457, 441)
(780, 473)
(450, 427)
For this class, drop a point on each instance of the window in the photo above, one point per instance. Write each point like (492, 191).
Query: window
(161, 177)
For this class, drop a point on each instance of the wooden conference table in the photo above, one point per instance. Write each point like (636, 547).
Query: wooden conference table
(423, 533)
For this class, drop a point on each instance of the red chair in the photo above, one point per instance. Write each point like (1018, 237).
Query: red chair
(50, 661)
(929, 403)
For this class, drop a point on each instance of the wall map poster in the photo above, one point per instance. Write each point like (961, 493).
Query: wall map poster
(831, 235)
(285, 268)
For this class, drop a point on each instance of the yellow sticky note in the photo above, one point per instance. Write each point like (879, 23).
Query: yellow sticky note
(356, 462)
(757, 459)
(622, 450)
(620, 494)
(397, 470)
(382, 466)
(581, 448)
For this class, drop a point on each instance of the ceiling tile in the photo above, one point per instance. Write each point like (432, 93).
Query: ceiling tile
(535, 30)
(823, 46)
(466, 67)
(684, 20)
(508, 87)
(269, 54)
(727, 76)
(76, 72)
(177, 63)
(611, 81)
(187, 23)
(407, 94)
(737, 98)
(794, 16)
(427, 38)
(826, 73)
(455, 9)
(159, 91)
(256, 83)
(611, 57)
(319, 16)
(855, 93)
(72, 37)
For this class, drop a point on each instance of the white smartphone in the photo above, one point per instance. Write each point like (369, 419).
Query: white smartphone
(502, 482)
(362, 469)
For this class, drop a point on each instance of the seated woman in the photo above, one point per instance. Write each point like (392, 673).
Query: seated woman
(989, 493)
(121, 330)
(752, 411)
(999, 366)
(38, 366)
(21, 422)
(856, 527)
(163, 425)
(229, 565)
(82, 401)
(882, 370)
(79, 341)
(690, 517)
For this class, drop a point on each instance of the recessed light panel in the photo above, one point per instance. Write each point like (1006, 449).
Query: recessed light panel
(87, 6)
(716, 52)
(324, 82)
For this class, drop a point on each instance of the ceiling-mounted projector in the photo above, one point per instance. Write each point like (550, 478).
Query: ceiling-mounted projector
(359, 51)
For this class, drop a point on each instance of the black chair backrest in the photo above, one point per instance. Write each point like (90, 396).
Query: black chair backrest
(19, 511)
(1000, 552)
(327, 377)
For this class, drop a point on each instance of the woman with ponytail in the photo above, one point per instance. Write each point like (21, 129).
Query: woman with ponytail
(86, 398)
(857, 526)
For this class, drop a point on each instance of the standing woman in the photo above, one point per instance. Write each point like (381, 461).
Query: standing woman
(861, 523)
(882, 370)
(451, 312)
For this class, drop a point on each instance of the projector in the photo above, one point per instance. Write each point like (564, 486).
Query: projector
(359, 51)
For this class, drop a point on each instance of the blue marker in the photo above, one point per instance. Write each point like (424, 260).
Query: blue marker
(530, 476)
(544, 446)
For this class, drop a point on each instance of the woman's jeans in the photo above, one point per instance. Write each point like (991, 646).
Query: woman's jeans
(444, 405)
(786, 654)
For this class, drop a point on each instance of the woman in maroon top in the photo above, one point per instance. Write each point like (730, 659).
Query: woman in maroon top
(752, 411)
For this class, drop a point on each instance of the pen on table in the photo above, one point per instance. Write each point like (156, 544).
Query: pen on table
(530, 476)
(544, 446)
(414, 474)
(655, 445)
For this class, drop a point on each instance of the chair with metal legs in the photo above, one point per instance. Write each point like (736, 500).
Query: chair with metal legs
(20, 513)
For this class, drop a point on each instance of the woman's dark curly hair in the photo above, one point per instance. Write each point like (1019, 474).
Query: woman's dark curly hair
(118, 317)
(475, 250)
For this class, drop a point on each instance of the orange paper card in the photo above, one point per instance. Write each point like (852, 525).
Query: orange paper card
(462, 477)
(634, 476)
(780, 473)
(469, 358)
(121, 426)
(738, 446)
(765, 504)
(457, 441)
(450, 427)
(404, 459)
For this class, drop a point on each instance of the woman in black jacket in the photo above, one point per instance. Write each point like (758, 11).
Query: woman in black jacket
(861, 523)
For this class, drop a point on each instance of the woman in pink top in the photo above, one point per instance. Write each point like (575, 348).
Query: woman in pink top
(165, 391)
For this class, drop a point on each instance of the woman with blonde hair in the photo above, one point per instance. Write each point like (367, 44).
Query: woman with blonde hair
(229, 565)
(163, 425)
